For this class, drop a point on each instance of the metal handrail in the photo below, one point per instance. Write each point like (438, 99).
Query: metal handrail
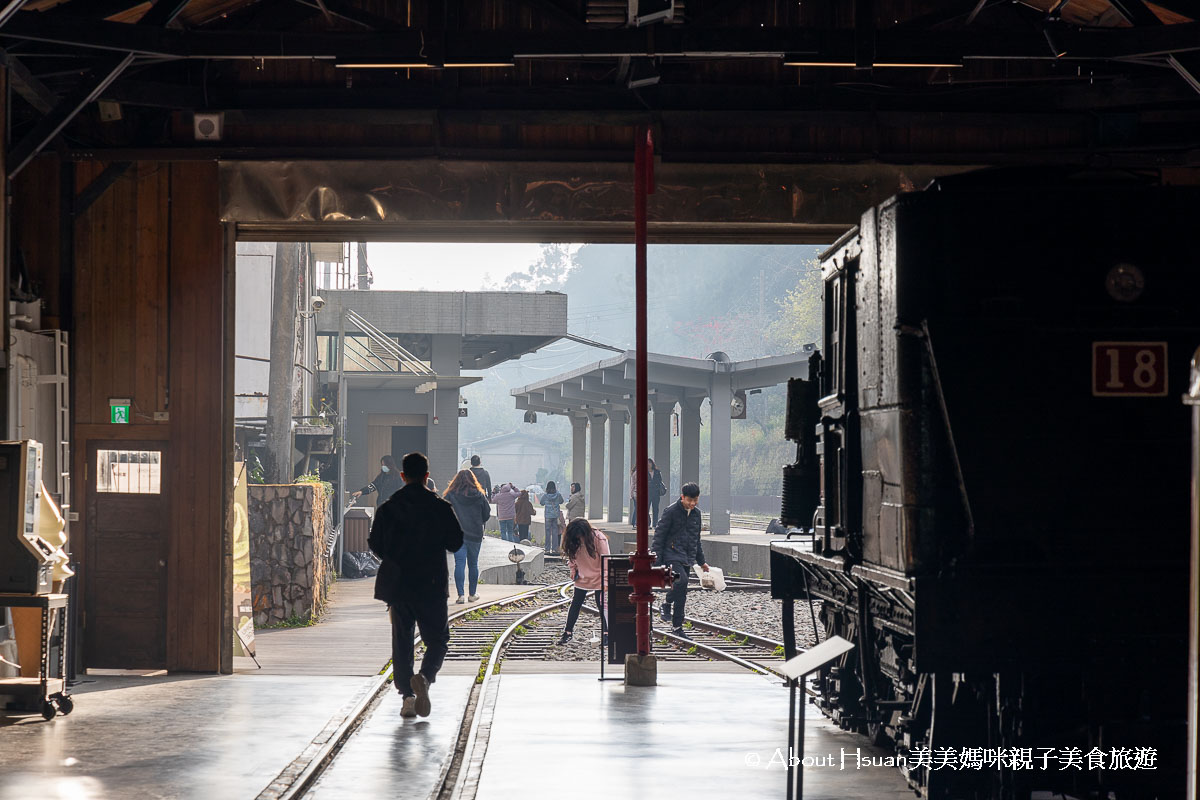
(354, 349)
(399, 353)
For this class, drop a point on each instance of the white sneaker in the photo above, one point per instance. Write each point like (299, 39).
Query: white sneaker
(420, 685)
(473, 598)
(409, 707)
(460, 600)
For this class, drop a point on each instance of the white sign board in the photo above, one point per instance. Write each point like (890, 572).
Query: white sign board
(817, 657)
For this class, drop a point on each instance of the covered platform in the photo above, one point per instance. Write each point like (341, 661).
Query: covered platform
(554, 728)
(604, 394)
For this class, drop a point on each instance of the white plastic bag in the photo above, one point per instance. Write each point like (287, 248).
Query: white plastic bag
(713, 579)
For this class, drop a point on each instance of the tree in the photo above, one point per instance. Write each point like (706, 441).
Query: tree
(800, 313)
(547, 274)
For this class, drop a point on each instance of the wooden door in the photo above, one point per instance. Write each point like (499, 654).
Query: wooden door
(125, 594)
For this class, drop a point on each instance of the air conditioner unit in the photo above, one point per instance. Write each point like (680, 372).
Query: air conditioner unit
(208, 126)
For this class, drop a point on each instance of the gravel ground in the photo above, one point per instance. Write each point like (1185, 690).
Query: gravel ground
(752, 612)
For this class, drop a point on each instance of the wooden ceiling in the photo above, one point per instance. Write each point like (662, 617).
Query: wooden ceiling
(973, 81)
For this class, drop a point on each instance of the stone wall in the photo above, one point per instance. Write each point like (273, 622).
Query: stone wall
(289, 568)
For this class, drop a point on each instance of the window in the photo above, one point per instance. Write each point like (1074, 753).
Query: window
(129, 471)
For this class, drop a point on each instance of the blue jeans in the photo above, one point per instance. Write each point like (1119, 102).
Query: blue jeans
(466, 555)
(553, 535)
(507, 530)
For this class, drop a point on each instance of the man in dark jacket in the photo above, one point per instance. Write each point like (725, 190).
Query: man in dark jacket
(677, 543)
(412, 533)
(481, 475)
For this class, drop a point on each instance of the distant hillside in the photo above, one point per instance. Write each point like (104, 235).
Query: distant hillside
(748, 301)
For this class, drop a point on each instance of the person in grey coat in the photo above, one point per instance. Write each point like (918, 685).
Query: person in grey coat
(472, 509)
(575, 504)
(677, 545)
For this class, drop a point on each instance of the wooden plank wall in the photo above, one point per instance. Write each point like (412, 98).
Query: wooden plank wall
(151, 294)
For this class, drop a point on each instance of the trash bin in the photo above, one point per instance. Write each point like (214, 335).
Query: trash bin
(357, 525)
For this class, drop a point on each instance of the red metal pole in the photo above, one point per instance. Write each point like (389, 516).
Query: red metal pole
(644, 576)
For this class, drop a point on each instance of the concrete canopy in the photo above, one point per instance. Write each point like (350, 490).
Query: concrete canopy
(606, 392)
(494, 327)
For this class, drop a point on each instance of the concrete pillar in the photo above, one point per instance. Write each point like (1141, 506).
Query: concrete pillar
(579, 450)
(595, 492)
(616, 466)
(660, 447)
(689, 440)
(720, 453)
(446, 351)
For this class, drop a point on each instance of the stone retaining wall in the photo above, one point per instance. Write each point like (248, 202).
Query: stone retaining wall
(289, 569)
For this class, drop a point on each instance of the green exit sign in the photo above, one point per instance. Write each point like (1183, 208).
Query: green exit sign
(120, 415)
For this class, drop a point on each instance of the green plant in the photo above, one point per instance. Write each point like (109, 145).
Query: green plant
(687, 626)
(294, 621)
(521, 631)
(779, 652)
(691, 651)
(255, 470)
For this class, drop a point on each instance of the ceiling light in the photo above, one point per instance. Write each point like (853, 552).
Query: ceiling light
(923, 65)
(382, 65)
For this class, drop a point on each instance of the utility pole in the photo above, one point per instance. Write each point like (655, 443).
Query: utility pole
(283, 356)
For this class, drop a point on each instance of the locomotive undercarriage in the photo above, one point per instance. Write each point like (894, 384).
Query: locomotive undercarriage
(876, 690)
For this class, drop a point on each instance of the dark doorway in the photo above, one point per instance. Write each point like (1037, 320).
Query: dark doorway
(408, 439)
(126, 569)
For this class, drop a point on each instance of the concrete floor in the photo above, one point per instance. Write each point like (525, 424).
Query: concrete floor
(397, 758)
(694, 735)
(556, 732)
(197, 737)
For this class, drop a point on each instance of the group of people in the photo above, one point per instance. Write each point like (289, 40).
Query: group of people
(414, 528)
(514, 510)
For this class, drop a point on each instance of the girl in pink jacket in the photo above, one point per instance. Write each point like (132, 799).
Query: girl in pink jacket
(583, 546)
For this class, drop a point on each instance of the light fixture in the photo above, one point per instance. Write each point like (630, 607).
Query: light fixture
(383, 65)
(419, 64)
(889, 64)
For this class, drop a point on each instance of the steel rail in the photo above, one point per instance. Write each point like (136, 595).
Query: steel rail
(476, 747)
(324, 755)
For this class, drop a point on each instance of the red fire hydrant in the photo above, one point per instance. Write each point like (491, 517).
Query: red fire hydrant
(644, 578)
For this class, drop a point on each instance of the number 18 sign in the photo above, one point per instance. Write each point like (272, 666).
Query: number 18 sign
(1129, 369)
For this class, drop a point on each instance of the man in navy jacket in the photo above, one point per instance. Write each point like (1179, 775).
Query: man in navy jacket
(677, 544)
(411, 534)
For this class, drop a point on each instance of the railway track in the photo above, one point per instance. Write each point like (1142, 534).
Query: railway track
(707, 639)
(514, 629)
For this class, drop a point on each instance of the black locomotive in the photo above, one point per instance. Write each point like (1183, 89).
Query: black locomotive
(993, 460)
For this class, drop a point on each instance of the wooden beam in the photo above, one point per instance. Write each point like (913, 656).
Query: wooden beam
(1135, 12)
(893, 44)
(89, 89)
(96, 81)
(28, 85)
(94, 190)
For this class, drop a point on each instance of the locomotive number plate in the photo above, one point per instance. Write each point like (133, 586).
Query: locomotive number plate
(1129, 369)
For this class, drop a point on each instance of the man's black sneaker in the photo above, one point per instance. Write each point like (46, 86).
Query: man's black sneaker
(665, 613)
(566, 637)
(681, 633)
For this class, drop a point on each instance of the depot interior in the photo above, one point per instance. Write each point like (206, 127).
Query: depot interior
(138, 170)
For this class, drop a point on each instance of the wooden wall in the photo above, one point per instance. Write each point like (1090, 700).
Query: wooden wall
(150, 294)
